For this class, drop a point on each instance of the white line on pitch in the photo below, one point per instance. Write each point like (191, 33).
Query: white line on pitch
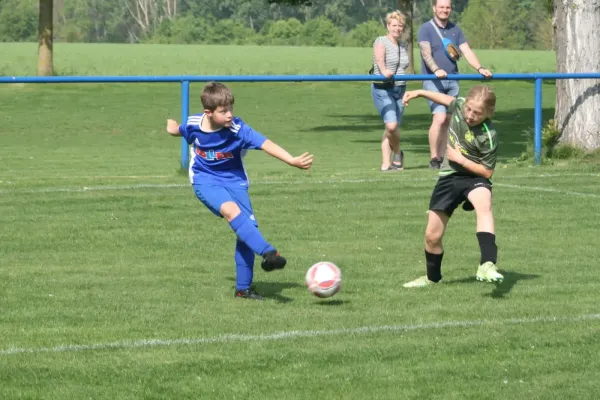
(543, 189)
(290, 182)
(133, 177)
(95, 177)
(99, 188)
(232, 338)
(180, 185)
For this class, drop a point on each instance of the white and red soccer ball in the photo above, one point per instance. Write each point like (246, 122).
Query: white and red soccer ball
(324, 279)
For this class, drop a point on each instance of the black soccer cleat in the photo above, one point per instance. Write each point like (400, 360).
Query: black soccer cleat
(272, 260)
(248, 294)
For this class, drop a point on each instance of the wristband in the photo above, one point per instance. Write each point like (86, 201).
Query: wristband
(479, 68)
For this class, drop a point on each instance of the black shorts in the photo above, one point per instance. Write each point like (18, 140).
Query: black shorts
(450, 191)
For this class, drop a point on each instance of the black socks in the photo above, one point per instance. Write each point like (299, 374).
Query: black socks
(434, 266)
(487, 245)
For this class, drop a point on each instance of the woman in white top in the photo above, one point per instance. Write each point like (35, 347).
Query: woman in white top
(390, 58)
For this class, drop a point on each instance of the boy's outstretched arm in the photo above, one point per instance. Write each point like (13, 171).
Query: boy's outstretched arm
(173, 127)
(439, 98)
(303, 162)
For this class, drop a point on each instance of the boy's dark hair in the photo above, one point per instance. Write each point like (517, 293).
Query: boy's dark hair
(215, 95)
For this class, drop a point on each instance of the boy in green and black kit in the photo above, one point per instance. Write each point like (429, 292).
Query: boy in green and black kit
(464, 179)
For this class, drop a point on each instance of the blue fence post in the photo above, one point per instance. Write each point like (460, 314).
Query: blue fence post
(185, 109)
(537, 138)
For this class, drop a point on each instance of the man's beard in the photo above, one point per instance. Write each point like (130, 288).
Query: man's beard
(443, 19)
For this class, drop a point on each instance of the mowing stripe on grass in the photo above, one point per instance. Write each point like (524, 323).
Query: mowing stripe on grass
(299, 182)
(135, 177)
(233, 338)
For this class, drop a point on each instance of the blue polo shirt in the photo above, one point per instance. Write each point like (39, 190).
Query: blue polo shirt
(427, 33)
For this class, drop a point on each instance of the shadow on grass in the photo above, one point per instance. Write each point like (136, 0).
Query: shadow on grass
(510, 280)
(330, 302)
(272, 290)
(499, 290)
(511, 126)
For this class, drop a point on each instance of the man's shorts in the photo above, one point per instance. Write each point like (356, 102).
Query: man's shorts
(440, 86)
(213, 197)
(452, 190)
(389, 103)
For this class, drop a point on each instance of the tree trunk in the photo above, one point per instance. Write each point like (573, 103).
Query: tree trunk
(406, 6)
(577, 42)
(45, 34)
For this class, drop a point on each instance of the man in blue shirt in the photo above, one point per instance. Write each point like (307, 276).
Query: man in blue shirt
(440, 41)
(219, 178)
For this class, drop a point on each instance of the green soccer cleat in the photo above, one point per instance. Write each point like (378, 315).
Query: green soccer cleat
(420, 282)
(487, 272)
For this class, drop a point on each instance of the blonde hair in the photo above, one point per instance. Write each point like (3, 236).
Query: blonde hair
(485, 95)
(397, 15)
(215, 95)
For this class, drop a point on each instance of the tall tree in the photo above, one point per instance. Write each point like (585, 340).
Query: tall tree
(577, 44)
(487, 24)
(45, 37)
(148, 14)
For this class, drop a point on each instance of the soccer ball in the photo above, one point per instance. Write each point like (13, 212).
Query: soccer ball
(324, 279)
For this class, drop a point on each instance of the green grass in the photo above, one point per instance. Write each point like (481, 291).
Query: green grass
(104, 244)
(121, 59)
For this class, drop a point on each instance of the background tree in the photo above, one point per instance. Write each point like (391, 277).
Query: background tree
(45, 37)
(521, 24)
(18, 20)
(486, 24)
(577, 38)
(406, 6)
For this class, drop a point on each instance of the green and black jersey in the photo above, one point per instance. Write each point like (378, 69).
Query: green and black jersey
(477, 143)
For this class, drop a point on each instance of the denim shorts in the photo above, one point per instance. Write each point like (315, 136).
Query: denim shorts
(440, 86)
(389, 103)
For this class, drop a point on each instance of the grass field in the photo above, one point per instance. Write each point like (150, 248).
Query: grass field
(115, 282)
(120, 59)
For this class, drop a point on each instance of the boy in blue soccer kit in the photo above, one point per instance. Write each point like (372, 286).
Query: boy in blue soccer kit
(219, 179)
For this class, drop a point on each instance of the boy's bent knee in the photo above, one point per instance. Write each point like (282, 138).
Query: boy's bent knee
(229, 210)
(433, 239)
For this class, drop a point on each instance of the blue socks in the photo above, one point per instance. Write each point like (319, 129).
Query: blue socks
(244, 265)
(250, 241)
(248, 233)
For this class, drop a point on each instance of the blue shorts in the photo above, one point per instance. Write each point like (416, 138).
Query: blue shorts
(213, 197)
(389, 103)
(440, 86)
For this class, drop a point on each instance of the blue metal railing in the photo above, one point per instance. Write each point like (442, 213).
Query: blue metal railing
(186, 80)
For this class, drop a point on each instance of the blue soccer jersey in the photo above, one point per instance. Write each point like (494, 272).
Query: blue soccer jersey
(218, 155)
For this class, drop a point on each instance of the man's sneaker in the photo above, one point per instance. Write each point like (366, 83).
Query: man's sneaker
(420, 282)
(398, 161)
(272, 260)
(248, 294)
(487, 272)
